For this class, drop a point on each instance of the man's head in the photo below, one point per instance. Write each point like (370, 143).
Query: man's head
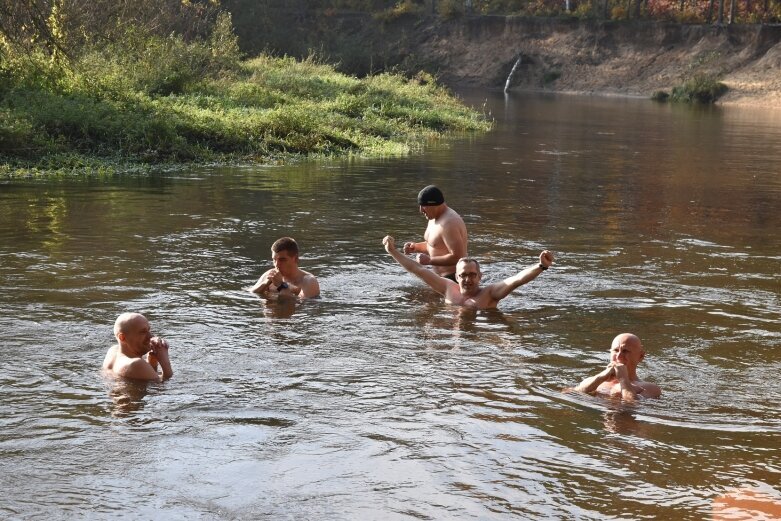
(284, 253)
(468, 275)
(132, 332)
(628, 350)
(430, 201)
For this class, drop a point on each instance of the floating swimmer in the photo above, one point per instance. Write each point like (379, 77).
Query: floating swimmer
(619, 378)
(467, 291)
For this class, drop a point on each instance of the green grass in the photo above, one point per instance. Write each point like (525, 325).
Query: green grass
(699, 88)
(105, 113)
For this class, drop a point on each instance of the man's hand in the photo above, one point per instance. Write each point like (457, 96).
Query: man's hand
(621, 372)
(424, 259)
(547, 258)
(276, 277)
(409, 247)
(389, 243)
(608, 372)
(159, 346)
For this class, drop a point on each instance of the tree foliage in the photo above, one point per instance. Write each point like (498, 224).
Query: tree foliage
(66, 26)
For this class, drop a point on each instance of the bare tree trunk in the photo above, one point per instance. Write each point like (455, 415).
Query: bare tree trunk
(732, 11)
(721, 12)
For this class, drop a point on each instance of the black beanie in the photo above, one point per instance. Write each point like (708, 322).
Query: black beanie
(430, 196)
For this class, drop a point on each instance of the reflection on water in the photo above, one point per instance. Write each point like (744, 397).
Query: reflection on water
(127, 396)
(377, 399)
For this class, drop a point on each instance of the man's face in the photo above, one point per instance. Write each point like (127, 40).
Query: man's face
(468, 276)
(428, 211)
(138, 335)
(627, 351)
(285, 262)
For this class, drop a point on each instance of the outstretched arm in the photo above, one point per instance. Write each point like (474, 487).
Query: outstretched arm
(501, 289)
(436, 282)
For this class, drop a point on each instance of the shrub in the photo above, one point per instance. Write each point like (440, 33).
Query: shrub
(660, 95)
(550, 76)
(401, 9)
(450, 8)
(700, 88)
(618, 13)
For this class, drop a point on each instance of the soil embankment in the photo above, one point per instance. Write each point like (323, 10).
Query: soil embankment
(611, 58)
(623, 58)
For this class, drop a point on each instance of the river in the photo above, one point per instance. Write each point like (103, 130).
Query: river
(378, 401)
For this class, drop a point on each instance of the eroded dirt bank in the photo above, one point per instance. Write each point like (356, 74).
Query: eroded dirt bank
(627, 58)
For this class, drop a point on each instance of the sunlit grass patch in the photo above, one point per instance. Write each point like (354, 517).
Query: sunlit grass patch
(263, 109)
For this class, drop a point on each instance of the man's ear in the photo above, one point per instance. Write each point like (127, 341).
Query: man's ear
(121, 336)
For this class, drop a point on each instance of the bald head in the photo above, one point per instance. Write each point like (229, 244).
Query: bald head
(125, 320)
(628, 350)
(627, 339)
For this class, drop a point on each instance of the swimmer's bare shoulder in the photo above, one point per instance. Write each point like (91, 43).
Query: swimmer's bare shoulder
(111, 356)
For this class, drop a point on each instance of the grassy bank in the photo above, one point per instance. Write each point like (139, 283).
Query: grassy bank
(163, 101)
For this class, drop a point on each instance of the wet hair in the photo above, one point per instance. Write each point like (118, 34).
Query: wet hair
(287, 244)
(467, 260)
(430, 196)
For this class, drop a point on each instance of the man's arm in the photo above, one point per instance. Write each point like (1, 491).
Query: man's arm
(139, 369)
(649, 390)
(628, 390)
(415, 247)
(309, 288)
(499, 290)
(264, 283)
(160, 352)
(590, 384)
(437, 283)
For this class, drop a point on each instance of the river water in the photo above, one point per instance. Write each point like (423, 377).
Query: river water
(378, 401)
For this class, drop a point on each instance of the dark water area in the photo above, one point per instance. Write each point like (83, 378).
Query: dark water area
(378, 401)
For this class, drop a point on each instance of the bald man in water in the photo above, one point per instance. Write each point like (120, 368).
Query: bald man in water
(467, 291)
(134, 340)
(619, 378)
(445, 238)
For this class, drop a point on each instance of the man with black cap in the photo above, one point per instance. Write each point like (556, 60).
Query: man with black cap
(445, 237)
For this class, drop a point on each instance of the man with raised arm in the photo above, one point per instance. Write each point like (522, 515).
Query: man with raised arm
(286, 279)
(134, 340)
(445, 237)
(619, 378)
(467, 291)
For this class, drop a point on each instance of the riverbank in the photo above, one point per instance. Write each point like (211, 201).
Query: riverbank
(628, 58)
(266, 110)
(634, 59)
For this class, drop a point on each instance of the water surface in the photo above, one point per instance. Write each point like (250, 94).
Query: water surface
(378, 401)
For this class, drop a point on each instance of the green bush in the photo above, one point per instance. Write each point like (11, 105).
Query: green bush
(700, 88)
(660, 95)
